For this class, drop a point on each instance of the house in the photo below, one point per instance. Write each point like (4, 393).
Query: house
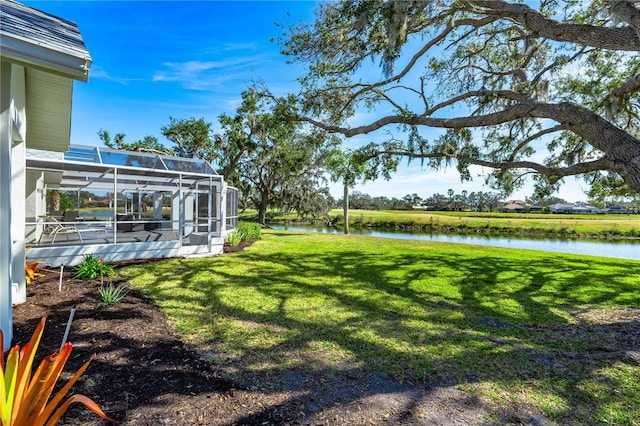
(40, 55)
(519, 206)
(584, 208)
(559, 208)
(512, 207)
(577, 208)
(615, 209)
(157, 206)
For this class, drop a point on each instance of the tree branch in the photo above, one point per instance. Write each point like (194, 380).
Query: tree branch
(504, 94)
(575, 169)
(611, 38)
(414, 59)
(514, 112)
(555, 63)
(622, 149)
(575, 118)
(600, 164)
(626, 89)
(625, 11)
(407, 68)
(533, 137)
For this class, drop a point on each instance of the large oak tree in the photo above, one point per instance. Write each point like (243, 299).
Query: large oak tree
(549, 88)
(281, 163)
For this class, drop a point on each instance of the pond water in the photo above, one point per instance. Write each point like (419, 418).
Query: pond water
(617, 249)
(99, 215)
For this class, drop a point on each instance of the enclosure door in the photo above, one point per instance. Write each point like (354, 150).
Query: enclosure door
(200, 222)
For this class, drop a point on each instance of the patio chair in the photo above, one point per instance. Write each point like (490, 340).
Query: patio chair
(70, 216)
(53, 228)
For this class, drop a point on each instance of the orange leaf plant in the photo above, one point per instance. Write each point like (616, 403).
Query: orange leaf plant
(32, 270)
(24, 397)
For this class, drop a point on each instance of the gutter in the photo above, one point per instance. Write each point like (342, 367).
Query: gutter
(21, 52)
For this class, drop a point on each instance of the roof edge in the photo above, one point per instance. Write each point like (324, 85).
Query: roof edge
(25, 53)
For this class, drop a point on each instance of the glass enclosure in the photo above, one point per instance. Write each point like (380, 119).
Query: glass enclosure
(92, 195)
(232, 208)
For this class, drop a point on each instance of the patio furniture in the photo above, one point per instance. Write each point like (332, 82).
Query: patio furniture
(53, 228)
(129, 223)
(70, 216)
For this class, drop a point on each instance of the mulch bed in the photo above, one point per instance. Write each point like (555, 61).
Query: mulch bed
(145, 374)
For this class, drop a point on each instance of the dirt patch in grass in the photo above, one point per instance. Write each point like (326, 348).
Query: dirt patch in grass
(145, 374)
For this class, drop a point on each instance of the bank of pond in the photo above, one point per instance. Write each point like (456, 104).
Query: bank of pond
(493, 229)
(476, 223)
(563, 227)
(620, 248)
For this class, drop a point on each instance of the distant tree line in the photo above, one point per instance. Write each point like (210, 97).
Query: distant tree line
(451, 201)
(464, 201)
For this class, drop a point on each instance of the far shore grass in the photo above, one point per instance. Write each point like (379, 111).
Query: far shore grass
(493, 223)
(540, 330)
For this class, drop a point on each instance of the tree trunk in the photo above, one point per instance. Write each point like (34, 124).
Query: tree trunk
(55, 200)
(345, 208)
(262, 211)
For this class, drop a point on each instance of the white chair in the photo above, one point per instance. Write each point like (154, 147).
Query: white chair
(53, 228)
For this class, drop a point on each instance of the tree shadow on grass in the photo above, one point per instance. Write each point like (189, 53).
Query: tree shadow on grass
(508, 321)
(402, 332)
(503, 321)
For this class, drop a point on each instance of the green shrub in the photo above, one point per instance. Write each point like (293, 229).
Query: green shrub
(110, 295)
(234, 238)
(244, 231)
(249, 230)
(91, 267)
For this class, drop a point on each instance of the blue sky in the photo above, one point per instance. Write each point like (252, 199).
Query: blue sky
(156, 59)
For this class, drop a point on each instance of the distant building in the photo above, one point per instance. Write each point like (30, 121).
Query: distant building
(560, 208)
(519, 206)
(512, 207)
(616, 209)
(582, 207)
(576, 208)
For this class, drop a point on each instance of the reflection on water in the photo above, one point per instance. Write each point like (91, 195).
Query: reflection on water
(617, 249)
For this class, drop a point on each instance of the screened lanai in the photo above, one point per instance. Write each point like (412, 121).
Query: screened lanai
(123, 205)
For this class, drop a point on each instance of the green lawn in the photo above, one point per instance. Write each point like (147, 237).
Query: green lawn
(513, 326)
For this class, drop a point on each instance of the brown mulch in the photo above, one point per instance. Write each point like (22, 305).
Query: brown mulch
(144, 374)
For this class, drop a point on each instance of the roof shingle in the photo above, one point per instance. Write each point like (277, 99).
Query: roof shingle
(22, 26)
